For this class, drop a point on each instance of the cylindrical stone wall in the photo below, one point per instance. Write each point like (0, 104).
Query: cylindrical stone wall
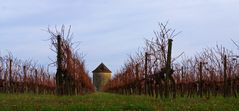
(100, 79)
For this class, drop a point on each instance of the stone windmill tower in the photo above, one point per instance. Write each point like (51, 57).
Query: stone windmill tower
(101, 75)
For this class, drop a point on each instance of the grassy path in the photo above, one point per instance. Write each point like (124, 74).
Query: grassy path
(91, 102)
(112, 102)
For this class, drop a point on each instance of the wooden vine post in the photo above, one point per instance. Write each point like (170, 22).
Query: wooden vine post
(146, 72)
(182, 81)
(138, 85)
(59, 73)
(10, 76)
(25, 79)
(169, 71)
(200, 79)
(36, 82)
(225, 89)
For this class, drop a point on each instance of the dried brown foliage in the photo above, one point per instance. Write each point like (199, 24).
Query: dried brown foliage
(74, 78)
(212, 72)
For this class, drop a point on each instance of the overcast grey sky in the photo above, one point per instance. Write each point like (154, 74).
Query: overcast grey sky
(110, 30)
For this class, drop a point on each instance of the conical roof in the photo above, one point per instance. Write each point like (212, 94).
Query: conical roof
(102, 68)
